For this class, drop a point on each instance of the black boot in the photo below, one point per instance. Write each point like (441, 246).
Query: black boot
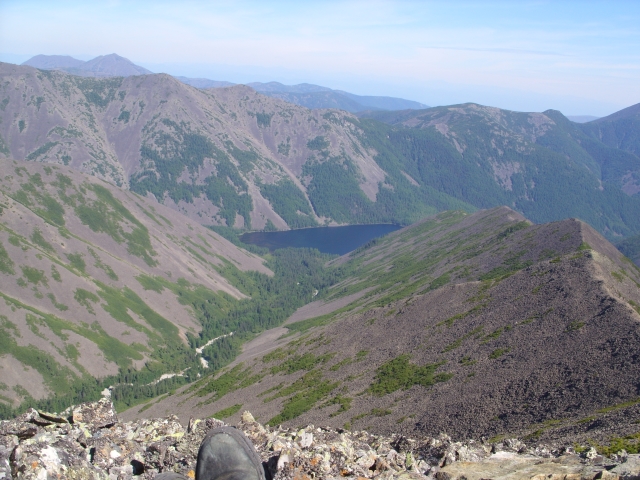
(227, 454)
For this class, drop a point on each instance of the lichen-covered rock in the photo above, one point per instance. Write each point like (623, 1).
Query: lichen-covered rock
(88, 442)
(96, 415)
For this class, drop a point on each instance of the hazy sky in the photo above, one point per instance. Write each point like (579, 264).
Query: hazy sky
(580, 57)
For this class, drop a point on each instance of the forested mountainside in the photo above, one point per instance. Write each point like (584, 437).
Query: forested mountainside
(233, 157)
(99, 283)
(225, 156)
(541, 164)
(618, 130)
(477, 325)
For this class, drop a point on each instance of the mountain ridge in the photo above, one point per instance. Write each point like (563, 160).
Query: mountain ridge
(111, 65)
(504, 324)
(114, 65)
(284, 166)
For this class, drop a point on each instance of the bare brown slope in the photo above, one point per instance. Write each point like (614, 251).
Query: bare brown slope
(100, 126)
(518, 352)
(72, 248)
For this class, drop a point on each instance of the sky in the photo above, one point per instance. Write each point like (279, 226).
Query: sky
(579, 57)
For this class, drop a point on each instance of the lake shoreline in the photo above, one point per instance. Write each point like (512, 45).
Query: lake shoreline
(327, 239)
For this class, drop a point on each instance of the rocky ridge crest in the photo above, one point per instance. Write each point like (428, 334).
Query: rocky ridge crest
(89, 442)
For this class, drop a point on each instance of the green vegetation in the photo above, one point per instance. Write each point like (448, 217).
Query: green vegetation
(264, 119)
(289, 202)
(33, 275)
(69, 388)
(41, 151)
(361, 355)
(619, 406)
(583, 246)
(318, 143)
(305, 393)
(631, 248)
(512, 229)
(398, 374)
(493, 335)
(618, 276)
(234, 379)
(169, 154)
(124, 116)
(98, 92)
(107, 215)
(84, 297)
(77, 262)
(60, 306)
(6, 264)
(227, 412)
(340, 364)
(630, 443)
(38, 239)
(575, 325)
(498, 352)
(460, 316)
(103, 266)
(508, 268)
(467, 361)
(52, 212)
(307, 362)
(455, 344)
(304, 325)
(344, 402)
(556, 160)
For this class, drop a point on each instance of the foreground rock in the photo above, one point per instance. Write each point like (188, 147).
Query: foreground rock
(88, 442)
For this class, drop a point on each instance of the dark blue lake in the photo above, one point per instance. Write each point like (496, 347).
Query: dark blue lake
(339, 240)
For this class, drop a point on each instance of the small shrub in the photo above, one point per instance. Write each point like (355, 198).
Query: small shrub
(493, 335)
(55, 274)
(38, 239)
(76, 261)
(340, 364)
(318, 143)
(498, 352)
(84, 297)
(398, 374)
(575, 325)
(6, 264)
(361, 354)
(467, 361)
(227, 412)
(583, 246)
(344, 402)
(33, 275)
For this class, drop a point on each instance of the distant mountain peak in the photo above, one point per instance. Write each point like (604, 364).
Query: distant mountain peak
(111, 65)
(53, 62)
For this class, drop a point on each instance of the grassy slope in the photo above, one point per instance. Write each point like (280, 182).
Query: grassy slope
(78, 260)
